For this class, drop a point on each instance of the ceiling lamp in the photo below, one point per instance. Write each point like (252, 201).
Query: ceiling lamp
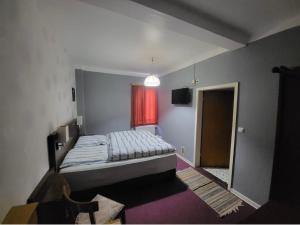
(152, 80)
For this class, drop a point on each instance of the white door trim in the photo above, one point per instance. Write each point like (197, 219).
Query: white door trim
(198, 124)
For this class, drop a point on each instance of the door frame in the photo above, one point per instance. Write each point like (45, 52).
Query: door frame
(198, 123)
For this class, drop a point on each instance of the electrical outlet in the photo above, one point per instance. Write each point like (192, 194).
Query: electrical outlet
(195, 81)
(182, 150)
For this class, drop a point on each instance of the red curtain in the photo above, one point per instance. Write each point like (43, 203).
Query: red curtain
(144, 110)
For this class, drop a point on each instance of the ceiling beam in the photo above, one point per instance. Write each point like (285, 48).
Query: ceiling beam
(179, 10)
(178, 19)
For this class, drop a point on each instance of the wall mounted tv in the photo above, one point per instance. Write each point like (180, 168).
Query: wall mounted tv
(181, 96)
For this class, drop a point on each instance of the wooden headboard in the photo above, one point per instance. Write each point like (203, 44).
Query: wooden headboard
(57, 145)
(47, 189)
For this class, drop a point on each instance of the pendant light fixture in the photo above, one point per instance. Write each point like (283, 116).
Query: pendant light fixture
(152, 80)
(195, 81)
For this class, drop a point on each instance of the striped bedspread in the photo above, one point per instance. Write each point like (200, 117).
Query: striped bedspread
(135, 144)
(85, 156)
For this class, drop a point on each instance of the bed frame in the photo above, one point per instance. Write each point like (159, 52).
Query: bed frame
(57, 150)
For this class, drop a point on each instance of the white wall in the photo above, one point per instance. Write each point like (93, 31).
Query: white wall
(35, 90)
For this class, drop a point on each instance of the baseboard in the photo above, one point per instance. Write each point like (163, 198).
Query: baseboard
(245, 199)
(186, 160)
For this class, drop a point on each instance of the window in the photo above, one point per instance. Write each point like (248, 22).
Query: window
(144, 110)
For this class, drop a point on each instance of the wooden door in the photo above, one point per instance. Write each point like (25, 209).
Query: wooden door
(286, 166)
(216, 128)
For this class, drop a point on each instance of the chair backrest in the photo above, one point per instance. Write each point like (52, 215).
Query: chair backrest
(72, 207)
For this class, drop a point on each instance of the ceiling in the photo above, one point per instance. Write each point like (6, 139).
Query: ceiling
(254, 18)
(121, 36)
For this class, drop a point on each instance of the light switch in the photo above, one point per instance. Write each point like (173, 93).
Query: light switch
(241, 129)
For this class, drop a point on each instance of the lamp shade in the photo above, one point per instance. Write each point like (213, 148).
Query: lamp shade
(152, 81)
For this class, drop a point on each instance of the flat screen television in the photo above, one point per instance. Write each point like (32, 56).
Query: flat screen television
(181, 96)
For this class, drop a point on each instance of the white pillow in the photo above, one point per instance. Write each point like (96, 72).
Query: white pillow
(91, 140)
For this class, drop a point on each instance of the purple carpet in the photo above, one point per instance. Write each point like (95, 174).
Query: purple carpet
(170, 202)
(182, 207)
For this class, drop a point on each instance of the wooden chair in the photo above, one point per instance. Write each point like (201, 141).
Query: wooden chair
(73, 208)
(56, 207)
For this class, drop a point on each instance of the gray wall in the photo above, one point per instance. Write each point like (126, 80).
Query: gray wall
(104, 100)
(35, 90)
(251, 66)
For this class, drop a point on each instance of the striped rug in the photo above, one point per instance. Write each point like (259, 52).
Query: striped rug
(220, 200)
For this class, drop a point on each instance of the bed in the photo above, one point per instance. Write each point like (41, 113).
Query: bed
(99, 160)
